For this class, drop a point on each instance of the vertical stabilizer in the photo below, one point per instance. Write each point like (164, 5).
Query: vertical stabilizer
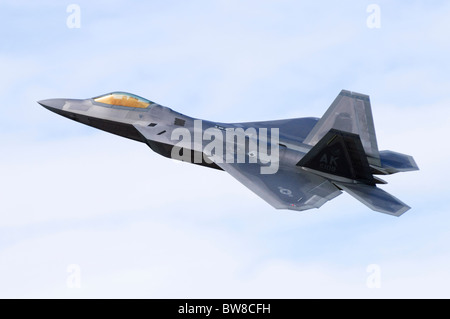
(349, 112)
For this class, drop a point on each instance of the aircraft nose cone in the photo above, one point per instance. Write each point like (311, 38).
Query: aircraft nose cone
(53, 103)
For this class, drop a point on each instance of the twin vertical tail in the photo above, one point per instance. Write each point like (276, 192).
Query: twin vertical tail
(345, 151)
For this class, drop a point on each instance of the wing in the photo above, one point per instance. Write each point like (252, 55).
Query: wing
(286, 189)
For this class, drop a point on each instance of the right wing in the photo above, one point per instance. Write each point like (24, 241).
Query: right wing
(286, 189)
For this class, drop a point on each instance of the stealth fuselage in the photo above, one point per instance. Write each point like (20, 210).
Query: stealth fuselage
(294, 164)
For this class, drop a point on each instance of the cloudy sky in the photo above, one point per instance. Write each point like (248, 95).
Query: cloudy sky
(85, 214)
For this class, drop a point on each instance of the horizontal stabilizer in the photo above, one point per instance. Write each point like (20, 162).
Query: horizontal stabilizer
(375, 198)
(393, 162)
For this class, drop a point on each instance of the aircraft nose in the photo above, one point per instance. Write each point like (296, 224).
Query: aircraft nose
(53, 103)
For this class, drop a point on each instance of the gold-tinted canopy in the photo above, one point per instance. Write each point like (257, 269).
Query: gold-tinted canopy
(123, 99)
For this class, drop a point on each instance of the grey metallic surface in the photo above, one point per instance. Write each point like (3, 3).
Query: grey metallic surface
(318, 158)
(350, 112)
(375, 198)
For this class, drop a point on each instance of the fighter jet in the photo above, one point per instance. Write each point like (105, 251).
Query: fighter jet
(296, 164)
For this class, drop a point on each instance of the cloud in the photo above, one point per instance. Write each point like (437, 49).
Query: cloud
(168, 259)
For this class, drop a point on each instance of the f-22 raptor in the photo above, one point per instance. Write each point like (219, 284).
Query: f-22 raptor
(296, 164)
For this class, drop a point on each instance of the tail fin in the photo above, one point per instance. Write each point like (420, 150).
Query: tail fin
(345, 151)
(340, 155)
(350, 112)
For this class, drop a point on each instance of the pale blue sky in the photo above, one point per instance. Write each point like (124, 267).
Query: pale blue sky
(139, 225)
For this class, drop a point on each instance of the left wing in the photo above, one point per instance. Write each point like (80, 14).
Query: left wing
(287, 188)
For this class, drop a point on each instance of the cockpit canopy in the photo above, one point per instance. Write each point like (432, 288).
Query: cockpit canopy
(123, 99)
